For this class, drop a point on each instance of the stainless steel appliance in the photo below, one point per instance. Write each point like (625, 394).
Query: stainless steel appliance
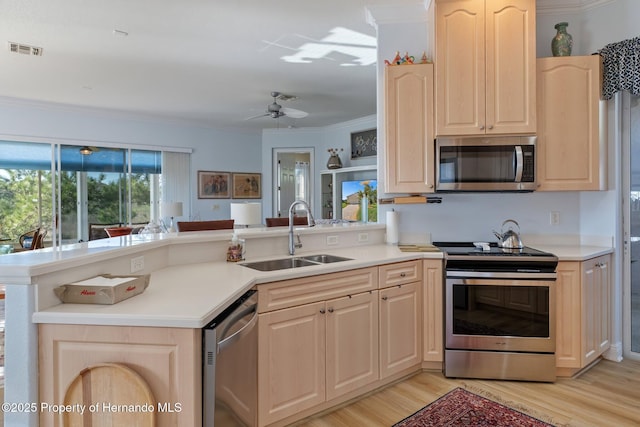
(230, 366)
(486, 164)
(499, 312)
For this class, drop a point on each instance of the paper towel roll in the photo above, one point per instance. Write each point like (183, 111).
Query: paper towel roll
(392, 227)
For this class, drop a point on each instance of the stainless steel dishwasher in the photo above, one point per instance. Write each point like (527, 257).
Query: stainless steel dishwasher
(230, 365)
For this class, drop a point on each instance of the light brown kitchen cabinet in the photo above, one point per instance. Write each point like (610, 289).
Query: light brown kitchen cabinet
(433, 303)
(168, 359)
(571, 145)
(409, 124)
(310, 352)
(583, 313)
(400, 317)
(485, 57)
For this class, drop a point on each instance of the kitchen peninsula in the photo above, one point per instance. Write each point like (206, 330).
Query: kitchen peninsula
(190, 284)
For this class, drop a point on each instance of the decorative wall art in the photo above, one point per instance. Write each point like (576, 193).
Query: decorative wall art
(214, 185)
(364, 144)
(247, 186)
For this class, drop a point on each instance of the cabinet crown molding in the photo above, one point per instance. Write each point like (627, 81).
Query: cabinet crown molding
(549, 7)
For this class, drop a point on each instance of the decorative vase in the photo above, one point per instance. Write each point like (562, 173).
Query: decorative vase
(562, 42)
(334, 162)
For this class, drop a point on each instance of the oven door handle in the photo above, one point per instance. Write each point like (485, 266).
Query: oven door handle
(536, 275)
(519, 163)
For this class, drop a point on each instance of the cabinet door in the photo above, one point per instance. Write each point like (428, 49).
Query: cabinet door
(485, 67)
(433, 304)
(409, 126)
(570, 146)
(400, 328)
(568, 315)
(510, 66)
(596, 303)
(352, 343)
(460, 67)
(291, 361)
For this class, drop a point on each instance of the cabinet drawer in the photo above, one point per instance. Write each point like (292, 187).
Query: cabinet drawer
(402, 272)
(290, 293)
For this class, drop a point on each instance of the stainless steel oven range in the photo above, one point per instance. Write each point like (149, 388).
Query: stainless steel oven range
(499, 312)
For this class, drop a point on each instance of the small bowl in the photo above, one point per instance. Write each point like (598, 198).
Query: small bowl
(118, 231)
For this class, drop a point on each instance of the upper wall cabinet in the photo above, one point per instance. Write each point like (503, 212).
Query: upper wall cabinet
(409, 129)
(485, 56)
(571, 129)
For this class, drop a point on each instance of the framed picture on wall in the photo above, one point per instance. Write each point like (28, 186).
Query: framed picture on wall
(364, 144)
(214, 185)
(247, 186)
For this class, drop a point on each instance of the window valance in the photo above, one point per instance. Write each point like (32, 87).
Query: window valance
(621, 63)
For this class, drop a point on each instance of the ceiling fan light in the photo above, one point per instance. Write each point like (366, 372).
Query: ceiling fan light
(85, 151)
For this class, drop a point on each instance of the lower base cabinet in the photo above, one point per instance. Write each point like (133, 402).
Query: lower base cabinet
(315, 352)
(583, 313)
(400, 328)
(167, 359)
(433, 314)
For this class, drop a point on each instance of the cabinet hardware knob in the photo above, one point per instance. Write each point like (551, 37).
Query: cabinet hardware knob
(385, 298)
(322, 311)
(331, 310)
(403, 274)
(481, 127)
(490, 127)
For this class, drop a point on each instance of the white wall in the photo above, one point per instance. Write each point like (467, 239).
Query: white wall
(213, 149)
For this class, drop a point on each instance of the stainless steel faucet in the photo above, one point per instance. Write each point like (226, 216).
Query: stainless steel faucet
(310, 220)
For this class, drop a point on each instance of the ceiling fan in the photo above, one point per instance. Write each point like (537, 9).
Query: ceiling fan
(275, 110)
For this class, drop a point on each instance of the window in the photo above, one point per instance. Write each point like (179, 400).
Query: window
(85, 185)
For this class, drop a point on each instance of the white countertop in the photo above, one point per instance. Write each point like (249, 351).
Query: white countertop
(191, 295)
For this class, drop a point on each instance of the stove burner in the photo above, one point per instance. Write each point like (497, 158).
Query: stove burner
(465, 256)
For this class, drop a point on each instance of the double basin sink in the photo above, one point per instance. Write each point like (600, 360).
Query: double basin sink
(293, 262)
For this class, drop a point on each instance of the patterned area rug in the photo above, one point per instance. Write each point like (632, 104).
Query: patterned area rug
(460, 407)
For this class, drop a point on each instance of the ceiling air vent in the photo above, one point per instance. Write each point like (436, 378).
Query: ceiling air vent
(25, 49)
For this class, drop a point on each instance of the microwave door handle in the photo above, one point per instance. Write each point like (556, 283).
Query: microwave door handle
(519, 163)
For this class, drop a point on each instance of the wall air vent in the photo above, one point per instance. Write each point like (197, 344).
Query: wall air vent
(25, 49)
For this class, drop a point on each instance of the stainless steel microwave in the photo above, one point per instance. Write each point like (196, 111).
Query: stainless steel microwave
(499, 163)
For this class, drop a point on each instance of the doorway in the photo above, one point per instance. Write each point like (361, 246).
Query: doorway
(293, 178)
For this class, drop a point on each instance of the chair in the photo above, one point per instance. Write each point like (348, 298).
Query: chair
(284, 221)
(33, 239)
(221, 224)
(97, 231)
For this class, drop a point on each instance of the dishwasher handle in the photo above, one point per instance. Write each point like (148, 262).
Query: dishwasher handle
(227, 341)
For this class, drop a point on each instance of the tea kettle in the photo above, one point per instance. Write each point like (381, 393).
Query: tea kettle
(509, 239)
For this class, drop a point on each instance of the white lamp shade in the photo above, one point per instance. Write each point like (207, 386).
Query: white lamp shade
(246, 213)
(172, 209)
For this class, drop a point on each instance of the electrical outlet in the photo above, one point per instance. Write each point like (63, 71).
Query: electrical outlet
(332, 240)
(137, 264)
(554, 218)
(363, 237)
(215, 207)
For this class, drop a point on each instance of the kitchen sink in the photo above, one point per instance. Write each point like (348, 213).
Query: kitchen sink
(325, 259)
(294, 262)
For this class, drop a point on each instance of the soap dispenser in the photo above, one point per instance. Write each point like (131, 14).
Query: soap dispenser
(235, 250)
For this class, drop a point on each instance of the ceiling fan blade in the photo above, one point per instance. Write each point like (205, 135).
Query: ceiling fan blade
(259, 115)
(293, 113)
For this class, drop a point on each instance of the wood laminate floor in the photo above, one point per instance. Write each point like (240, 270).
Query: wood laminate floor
(607, 395)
